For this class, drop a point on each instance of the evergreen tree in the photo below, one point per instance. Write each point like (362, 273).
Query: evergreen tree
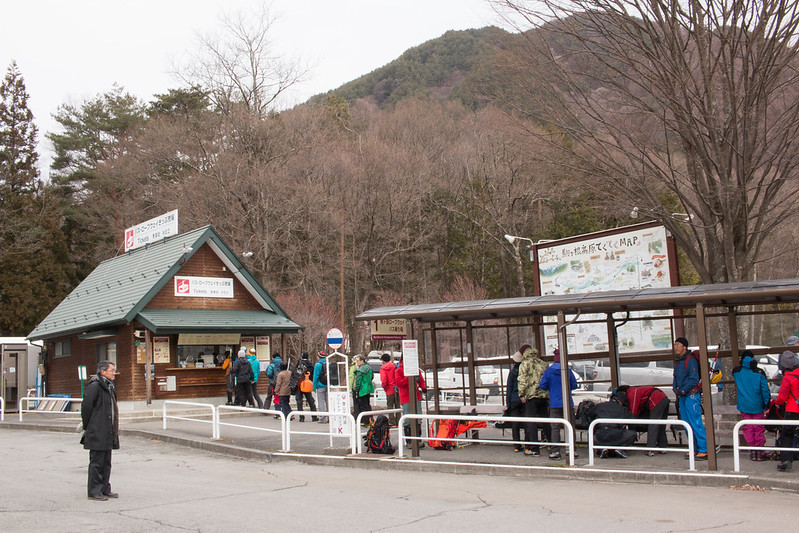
(32, 248)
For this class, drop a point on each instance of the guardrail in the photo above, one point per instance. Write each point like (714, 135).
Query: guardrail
(359, 420)
(213, 421)
(329, 414)
(28, 399)
(640, 421)
(238, 408)
(569, 430)
(736, 447)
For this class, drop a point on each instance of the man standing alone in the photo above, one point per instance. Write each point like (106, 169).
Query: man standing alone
(100, 418)
(689, 394)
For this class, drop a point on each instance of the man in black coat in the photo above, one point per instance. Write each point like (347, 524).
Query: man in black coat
(101, 429)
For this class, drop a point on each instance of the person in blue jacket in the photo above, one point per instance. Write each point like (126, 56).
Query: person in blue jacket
(551, 382)
(689, 394)
(753, 399)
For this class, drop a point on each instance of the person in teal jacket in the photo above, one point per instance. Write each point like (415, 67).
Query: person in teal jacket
(364, 387)
(256, 370)
(753, 399)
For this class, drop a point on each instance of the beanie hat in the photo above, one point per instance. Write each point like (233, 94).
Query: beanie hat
(243, 352)
(304, 355)
(524, 348)
(517, 357)
(682, 340)
(787, 361)
(557, 355)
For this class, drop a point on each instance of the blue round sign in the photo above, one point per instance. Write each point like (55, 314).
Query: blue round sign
(335, 338)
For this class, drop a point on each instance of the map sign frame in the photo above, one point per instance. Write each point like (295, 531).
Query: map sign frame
(634, 257)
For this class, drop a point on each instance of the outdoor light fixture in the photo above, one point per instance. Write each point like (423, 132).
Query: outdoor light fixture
(634, 213)
(246, 255)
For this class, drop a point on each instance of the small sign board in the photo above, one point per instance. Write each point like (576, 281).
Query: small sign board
(335, 338)
(82, 372)
(151, 230)
(392, 329)
(410, 357)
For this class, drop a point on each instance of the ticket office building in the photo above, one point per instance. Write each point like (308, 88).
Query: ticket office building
(183, 303)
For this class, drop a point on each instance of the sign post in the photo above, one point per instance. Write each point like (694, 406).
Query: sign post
(338, 389)
(81, 377)
(410, 368)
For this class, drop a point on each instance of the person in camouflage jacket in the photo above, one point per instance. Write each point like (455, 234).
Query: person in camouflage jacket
(535, 400)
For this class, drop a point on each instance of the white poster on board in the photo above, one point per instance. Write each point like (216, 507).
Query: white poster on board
(410, 357)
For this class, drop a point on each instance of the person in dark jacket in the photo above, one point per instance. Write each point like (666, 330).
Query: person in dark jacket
(242, 371)
(302, 372)
(514, 404)
(789, 396)
(100, 418)
(753, 399)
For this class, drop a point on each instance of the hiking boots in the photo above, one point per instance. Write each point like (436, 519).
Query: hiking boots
(759, 456)
(555, 456)
(784, 466)
(534, 453)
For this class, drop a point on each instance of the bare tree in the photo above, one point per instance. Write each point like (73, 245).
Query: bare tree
(686, 110)
(238, 66)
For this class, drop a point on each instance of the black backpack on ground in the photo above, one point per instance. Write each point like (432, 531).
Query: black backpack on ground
(584, 415)
(378, 438)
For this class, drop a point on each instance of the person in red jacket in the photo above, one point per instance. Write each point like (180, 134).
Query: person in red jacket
(405, 396)
(650, 402)
(388, 380)
(789, 395)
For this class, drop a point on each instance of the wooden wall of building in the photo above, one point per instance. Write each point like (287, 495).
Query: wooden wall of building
(204, 263)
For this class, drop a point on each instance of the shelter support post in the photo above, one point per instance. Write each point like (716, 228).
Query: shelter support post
(613, 351)
(564, 367)
(704, 373)
(733, 327)
(434, 355)
(470, 363)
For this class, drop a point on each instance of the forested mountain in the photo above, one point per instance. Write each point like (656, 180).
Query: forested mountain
(404, 180)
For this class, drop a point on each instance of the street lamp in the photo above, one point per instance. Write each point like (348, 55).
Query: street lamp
(516, 242)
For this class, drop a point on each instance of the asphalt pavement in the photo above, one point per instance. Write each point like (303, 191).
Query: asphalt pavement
(165, 486)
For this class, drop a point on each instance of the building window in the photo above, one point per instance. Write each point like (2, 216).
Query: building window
(63, 348)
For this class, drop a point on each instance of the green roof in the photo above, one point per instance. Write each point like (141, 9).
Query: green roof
(167, 321)
(120, 288)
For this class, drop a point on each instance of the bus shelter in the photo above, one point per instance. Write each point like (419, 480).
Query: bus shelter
(450, 332)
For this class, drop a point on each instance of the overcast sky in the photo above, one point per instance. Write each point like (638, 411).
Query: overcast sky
(71, 50)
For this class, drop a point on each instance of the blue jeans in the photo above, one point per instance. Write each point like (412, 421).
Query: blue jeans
(691, 412)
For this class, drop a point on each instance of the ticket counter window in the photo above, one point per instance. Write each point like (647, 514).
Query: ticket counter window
(209, 356)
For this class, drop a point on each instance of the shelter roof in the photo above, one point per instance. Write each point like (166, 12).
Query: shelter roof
(684, 297)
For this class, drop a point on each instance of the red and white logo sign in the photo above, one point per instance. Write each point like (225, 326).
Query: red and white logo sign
(182, 285)
(129, 239)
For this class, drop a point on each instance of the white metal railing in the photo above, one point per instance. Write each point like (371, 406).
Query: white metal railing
(330, 415)
(28, 399)
(213, 421)
(642, 421)
(359, 420)
(569, 430)
(238, 408)
(736, 447)
(2, 409)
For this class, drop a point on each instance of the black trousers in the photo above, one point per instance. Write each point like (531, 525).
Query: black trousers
(298, 396)
(536, 408)
(786, 437)
(244, 394)
(99, 472)
(254, 387)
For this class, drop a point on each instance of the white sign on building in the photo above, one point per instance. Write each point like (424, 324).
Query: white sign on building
(203, 287)
(151, 230)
